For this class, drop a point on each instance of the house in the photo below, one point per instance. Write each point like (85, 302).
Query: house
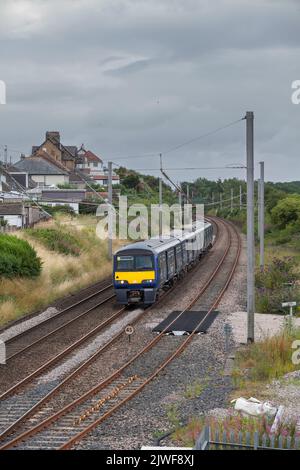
(13, 214)
(63, 197)
(3, 182)
(64, 155)
(103, 179)
(89, 162)
(19, 215)
(92, 165)
(42, 171)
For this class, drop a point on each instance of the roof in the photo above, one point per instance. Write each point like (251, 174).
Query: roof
(39, 166)
(64, 194)
(105, 177)
(72, 149)
(44, 154)
(11, 209)
(157, 244)
(79, 177)
(91, 157)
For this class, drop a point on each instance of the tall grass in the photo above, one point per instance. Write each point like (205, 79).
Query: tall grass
(261, 362)
(61, 274)
(232, 423)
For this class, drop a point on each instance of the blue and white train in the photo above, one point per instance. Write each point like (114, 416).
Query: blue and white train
(142, 269)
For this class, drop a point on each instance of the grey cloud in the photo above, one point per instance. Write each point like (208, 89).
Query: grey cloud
(130, 77)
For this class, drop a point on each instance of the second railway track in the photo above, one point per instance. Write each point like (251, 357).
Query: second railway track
(66, 427)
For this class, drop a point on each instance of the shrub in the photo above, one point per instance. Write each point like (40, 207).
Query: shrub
(57, 240)
(18, 258)
(286, 211)
(271, 358)
(276, 284)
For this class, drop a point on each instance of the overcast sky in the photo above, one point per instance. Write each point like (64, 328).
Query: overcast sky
(135, 77)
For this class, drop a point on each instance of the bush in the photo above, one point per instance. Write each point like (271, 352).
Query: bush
(18, 258)
(286, 211)
(276, 284)
(270, 358)
(57, 240)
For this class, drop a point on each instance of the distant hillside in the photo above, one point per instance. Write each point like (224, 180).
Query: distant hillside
(143, 188)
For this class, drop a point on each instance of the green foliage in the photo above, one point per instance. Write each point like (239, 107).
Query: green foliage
(56, 240)
(97, 187)
(3, 222)
(276, 284)
(88, 208)
(268, 359)
(194, 389)
(143, 188)
(64, 209)
(67, 186)
(18, 258)
(173, 415)
(286, 211)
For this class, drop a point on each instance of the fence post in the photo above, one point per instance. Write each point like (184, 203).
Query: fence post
(203, 440)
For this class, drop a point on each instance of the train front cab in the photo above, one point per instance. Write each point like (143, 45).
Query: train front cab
(135, 277)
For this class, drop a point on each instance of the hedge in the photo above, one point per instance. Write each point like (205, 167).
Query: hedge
(18, 258)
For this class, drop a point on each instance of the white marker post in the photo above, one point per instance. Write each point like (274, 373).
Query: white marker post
(129, 330)
(2, 352)
(291, 305)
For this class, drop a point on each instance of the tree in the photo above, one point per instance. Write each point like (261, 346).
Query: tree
(286, 211)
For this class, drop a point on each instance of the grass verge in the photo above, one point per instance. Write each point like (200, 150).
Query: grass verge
(62, 274)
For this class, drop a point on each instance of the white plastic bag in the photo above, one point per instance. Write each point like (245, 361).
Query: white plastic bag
(254, 407)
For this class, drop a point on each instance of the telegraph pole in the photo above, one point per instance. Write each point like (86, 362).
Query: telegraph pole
(241, 196)
(250, 226)
(221, 201)
(5, 156)
(110, 215)
(262, 216)
(258, 208)
(160, 207)
(231, 200)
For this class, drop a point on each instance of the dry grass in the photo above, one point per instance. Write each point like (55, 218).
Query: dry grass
(61, 274)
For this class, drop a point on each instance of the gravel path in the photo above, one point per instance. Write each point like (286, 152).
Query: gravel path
(25, 325)
(286, 392)
(266, 325)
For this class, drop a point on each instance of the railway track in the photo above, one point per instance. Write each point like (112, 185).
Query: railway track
(25, 340)
(69, 425)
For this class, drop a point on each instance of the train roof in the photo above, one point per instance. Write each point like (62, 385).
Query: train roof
(157, 244)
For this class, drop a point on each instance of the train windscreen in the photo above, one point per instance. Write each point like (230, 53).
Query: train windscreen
(134, 262)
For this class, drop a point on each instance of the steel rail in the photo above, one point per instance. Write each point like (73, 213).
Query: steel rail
(106, 415)
(64, 353)
(59, 328)
(56, 315)
(114, 375)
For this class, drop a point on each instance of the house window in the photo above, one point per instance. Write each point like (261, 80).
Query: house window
(95, 164)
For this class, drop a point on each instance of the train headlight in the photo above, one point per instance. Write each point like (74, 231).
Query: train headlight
(147, 281)
(121, 283)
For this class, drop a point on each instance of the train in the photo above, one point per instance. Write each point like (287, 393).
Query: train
(142, 270)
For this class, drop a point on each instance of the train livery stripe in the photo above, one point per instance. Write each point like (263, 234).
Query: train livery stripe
(134, 277)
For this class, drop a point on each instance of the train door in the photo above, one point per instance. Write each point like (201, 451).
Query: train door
(171, 263)
(162, 263)
(178, 251)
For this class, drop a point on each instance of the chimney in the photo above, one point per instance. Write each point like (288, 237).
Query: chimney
(53, 135)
